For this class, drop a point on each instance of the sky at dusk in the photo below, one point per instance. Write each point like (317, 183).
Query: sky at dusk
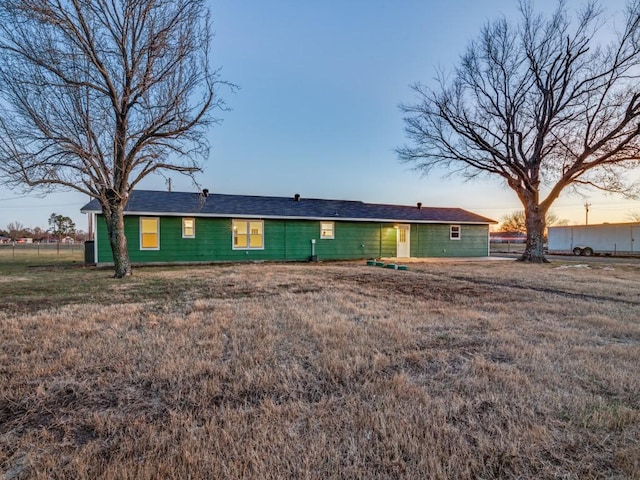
(316, 112)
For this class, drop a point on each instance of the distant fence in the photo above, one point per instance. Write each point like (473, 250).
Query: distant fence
(506, 247)
(31, 249)
(19, 249)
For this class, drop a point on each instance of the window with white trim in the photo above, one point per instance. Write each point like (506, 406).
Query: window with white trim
(149, 233)
(402, 235)
(188, 228)
(248, 234)
(327, 230)
(454, 232)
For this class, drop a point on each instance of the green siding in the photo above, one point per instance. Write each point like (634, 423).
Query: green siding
(291, 240)
(432, 240)
(213, 242)
(357, 240)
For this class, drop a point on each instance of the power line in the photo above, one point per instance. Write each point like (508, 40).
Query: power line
(18, 198)
(48, 205)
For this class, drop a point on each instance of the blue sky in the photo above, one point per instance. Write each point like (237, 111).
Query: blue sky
(317, 109)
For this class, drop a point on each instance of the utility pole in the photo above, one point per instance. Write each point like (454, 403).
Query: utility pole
(168, 183)
(586, 212)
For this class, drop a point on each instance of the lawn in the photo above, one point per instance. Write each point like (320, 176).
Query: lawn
(313, 371)
(19, 256)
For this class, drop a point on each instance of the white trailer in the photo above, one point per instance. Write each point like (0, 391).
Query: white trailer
(605, 239)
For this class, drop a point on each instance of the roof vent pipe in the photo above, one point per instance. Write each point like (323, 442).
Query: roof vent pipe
(419, 205)
(296, 197)
(205, 192)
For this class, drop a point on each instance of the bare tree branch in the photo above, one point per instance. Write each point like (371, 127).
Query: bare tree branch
(539, 104)
(98, 94)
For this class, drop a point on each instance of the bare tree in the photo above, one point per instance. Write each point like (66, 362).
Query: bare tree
(539, 104)
(98, 94)
(633, 216)
(517, 221)
(16, 230)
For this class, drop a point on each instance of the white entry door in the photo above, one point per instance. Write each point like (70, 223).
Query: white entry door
(403, 250)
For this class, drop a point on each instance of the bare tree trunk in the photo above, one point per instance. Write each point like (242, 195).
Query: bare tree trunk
(535, 222)
(133, 81)
(538, 104)
(115, 228)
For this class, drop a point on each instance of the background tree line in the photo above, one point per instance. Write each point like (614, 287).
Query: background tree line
(60, 226)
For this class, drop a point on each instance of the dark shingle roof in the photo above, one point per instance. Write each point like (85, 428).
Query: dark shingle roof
(146, 202)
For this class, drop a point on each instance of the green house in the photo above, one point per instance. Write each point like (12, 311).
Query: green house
(173, 227)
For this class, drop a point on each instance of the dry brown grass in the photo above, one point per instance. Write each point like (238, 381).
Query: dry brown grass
(452, 370)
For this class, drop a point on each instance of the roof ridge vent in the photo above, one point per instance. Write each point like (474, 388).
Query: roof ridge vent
(205, 192)
(296, 197)
(419, 205)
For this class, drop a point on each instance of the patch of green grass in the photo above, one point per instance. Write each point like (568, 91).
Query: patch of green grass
(14, 259)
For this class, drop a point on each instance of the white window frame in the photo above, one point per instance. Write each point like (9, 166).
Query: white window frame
(322, 231)
(458, 232)
(157, 219)
(248, 222)
(184, 235)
